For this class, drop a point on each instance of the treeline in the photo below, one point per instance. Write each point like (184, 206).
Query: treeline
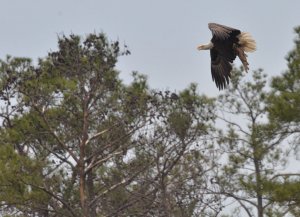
(76, 141)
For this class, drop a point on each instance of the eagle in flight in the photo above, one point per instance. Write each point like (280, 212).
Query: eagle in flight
(225, 45)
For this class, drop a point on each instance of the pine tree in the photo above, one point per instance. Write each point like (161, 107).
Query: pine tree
(76, 141)
(252, 147)
(284, 112)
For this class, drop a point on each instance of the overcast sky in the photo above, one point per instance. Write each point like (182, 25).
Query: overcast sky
(161, 34)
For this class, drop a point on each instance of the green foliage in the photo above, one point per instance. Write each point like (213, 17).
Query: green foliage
(284, 110)
(252, 146)
(285, 100)
(75, 141)
(19, 177)
(179, 123)
(287, 191)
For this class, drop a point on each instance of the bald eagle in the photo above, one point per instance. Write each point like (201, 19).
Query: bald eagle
(225, 45)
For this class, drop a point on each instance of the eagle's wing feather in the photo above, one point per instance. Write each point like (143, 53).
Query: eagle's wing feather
(220, 31)
(220, 69)
(223, 52)
(243, 57)
(226, 46)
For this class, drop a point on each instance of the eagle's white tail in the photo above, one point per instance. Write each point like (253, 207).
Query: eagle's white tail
(247, 42)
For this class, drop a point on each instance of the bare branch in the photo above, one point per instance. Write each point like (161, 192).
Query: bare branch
(123, 182)
(61, 143)
(286, 175)
(97, 163)
(97, 135)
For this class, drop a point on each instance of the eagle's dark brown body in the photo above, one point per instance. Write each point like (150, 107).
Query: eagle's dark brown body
(225, 45)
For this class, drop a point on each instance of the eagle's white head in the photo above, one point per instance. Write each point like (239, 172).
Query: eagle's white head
(205, 46)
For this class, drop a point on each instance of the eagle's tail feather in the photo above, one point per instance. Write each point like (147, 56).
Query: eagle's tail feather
(246, 42)
(243, 57)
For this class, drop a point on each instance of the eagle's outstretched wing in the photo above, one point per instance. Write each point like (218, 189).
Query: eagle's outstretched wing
(220, 69)
(223, 53)
(222, 32)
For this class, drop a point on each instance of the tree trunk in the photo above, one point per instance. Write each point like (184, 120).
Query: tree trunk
(258, 188)
(82, 182)
(91, 192)
(82, 189)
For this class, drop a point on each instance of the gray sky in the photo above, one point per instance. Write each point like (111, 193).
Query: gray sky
(161, 34)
